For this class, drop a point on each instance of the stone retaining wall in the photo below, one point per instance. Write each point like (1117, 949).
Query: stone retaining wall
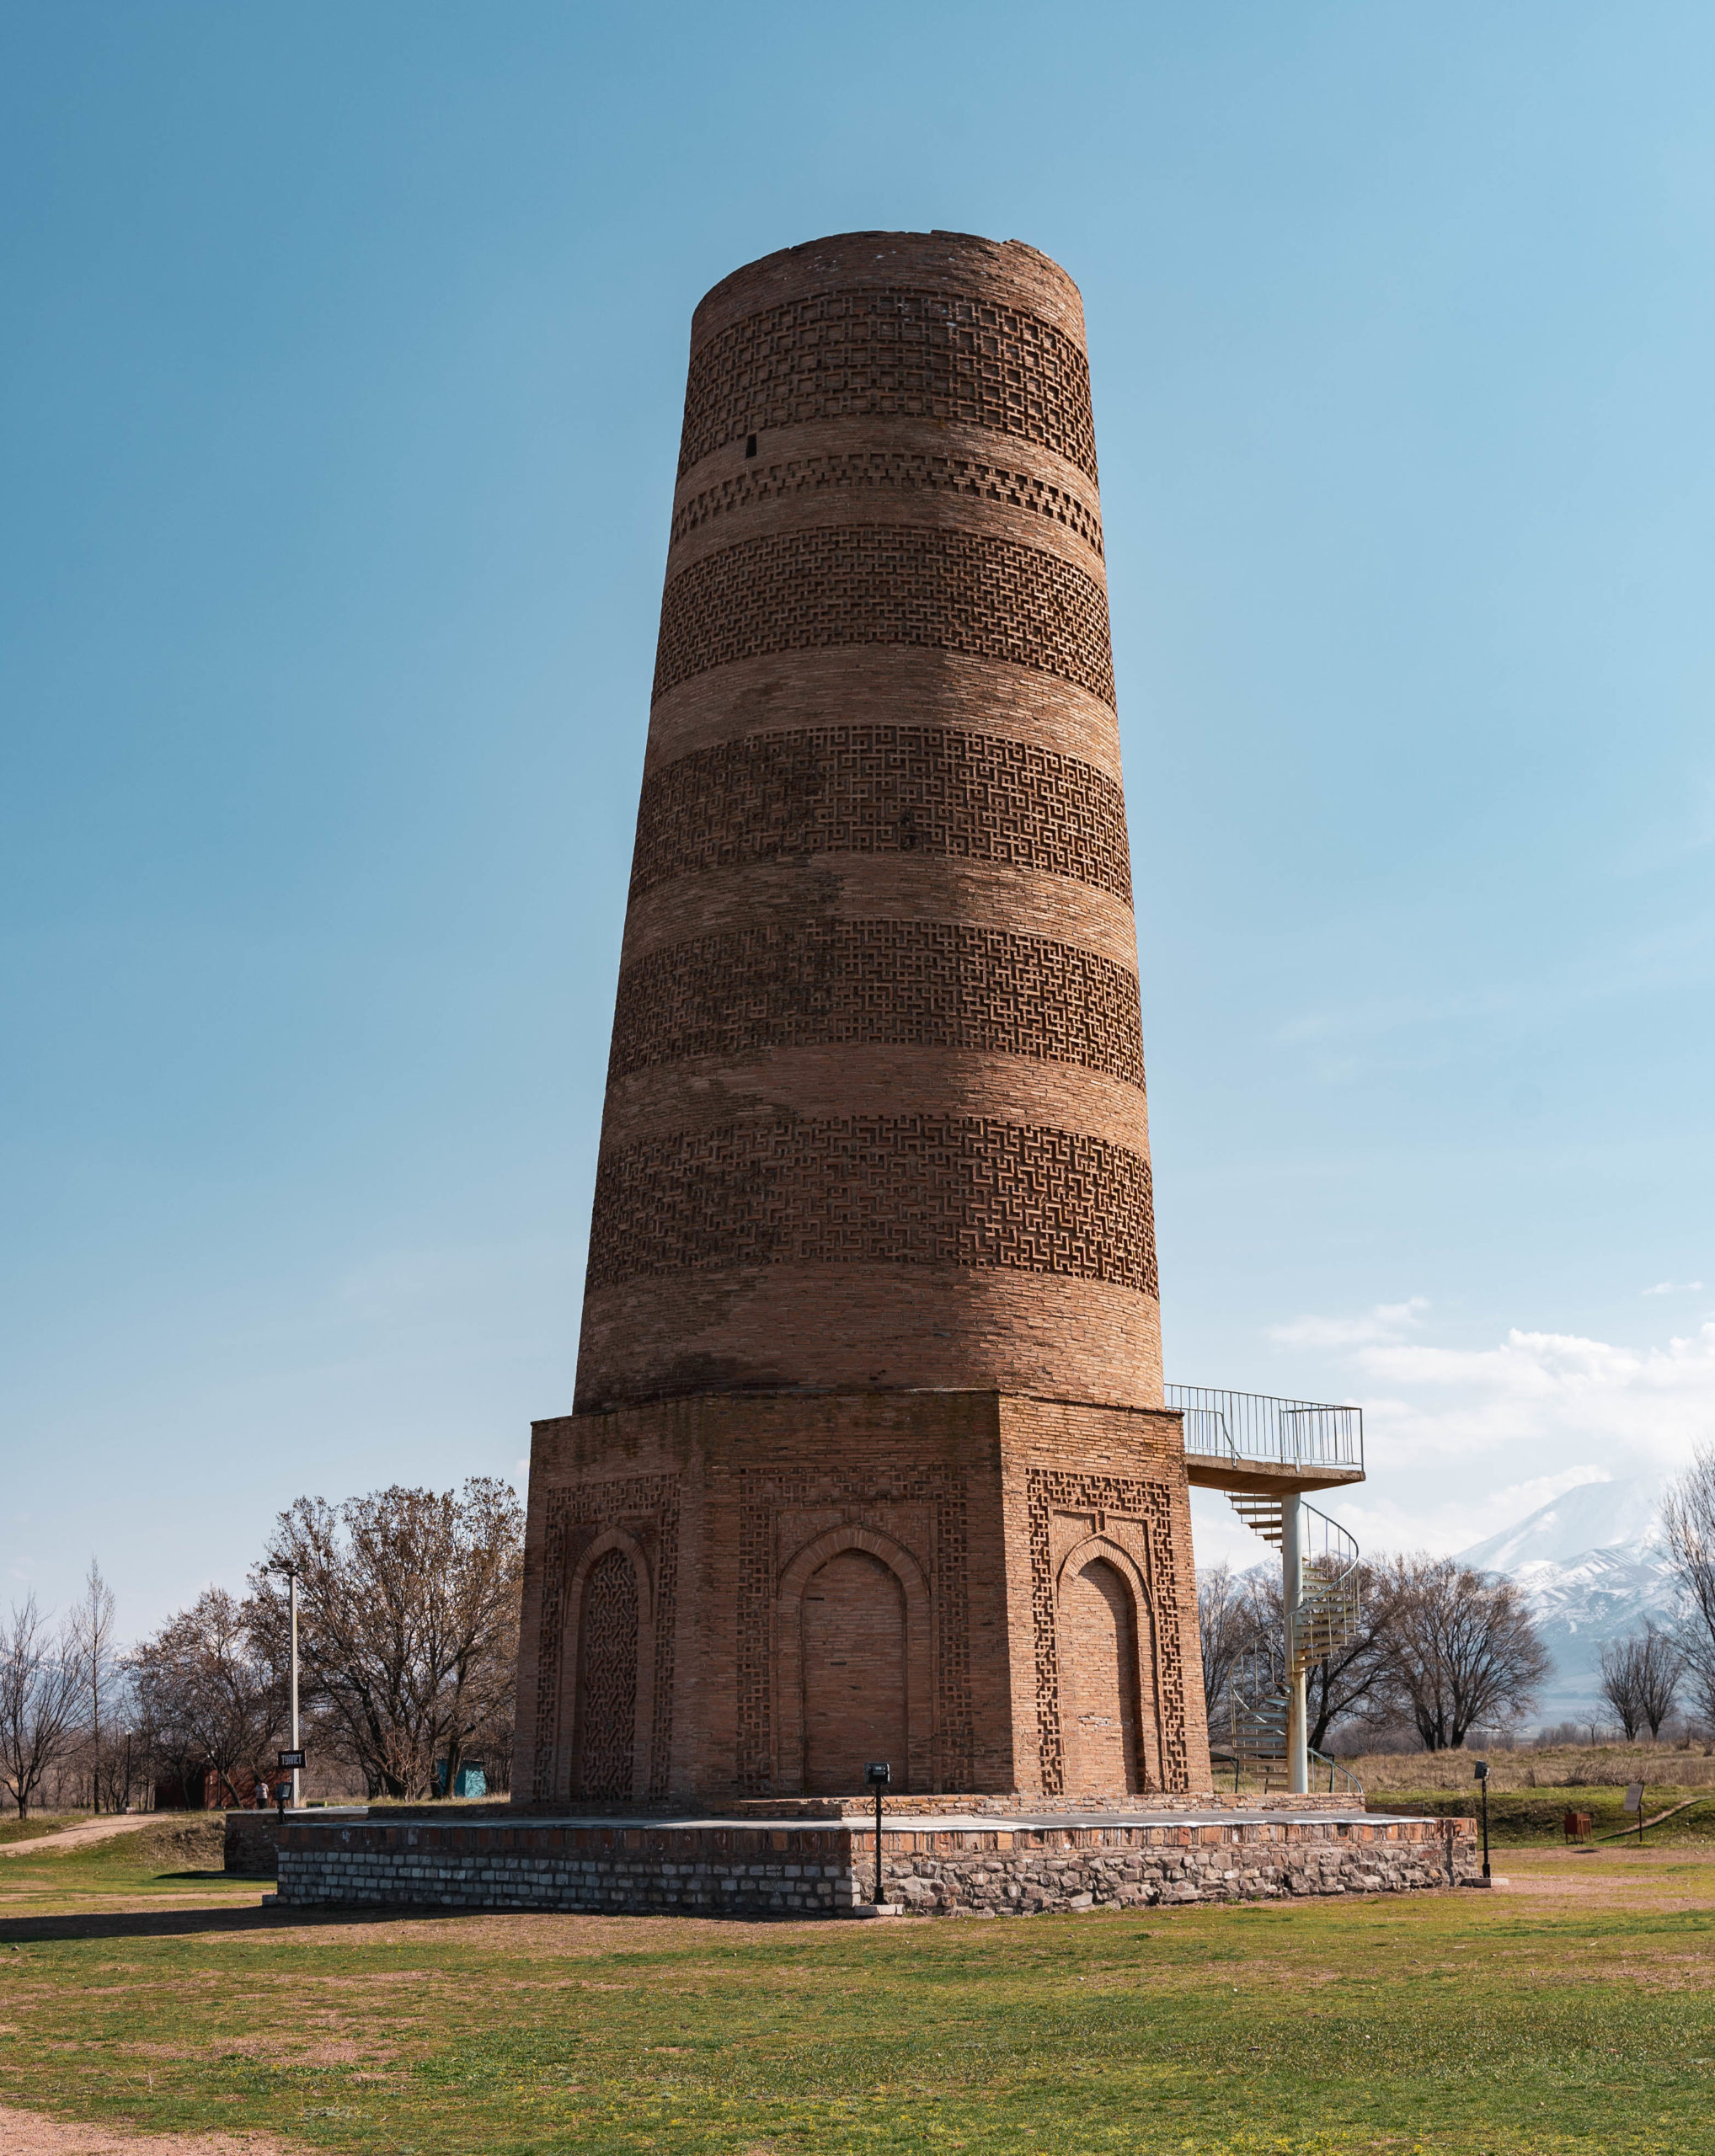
(931, 1866)
(1133, 1868)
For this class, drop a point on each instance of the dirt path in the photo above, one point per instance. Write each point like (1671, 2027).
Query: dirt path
(28, 2134)
(86, 1830)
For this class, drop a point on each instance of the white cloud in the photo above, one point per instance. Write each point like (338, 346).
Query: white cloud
(1462, 1442)
(1675, 1288)
(1386, 1321)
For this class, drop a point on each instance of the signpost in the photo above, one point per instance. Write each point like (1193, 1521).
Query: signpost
(294, 1761)
(1634, 1802)
(878, 1773)
(1483, 1782)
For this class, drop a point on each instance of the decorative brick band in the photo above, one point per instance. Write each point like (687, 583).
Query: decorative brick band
(574, 1518)
(766, 1494)
(889, 472)
(929, 790)
(886, 583)
(1049, 1491)
(901, 1190)
(929, 355)
(921, 983)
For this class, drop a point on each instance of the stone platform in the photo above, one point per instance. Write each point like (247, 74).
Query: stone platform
(933, 1863)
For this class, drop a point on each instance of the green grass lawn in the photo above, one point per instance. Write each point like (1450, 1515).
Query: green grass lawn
(1575, 2011)
(1534, 1818)
(37, 1824)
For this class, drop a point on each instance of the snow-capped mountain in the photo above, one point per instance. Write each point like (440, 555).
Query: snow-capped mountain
(1593, 1568)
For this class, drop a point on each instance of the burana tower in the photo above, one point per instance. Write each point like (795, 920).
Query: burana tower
(868, 1458)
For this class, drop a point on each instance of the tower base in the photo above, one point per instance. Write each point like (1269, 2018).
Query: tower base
(737, 1597)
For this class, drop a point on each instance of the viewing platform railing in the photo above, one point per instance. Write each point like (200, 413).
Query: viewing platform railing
(1253, 1426)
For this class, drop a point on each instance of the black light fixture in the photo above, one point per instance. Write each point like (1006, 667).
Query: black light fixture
(878, 1773)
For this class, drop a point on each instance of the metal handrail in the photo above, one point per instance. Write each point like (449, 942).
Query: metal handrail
(1256, 1426)
(1354, 1786)
(1330, 1611)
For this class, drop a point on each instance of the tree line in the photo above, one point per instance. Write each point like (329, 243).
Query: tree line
(407, 1645)
(1443, 1650)
(1439, 1648)
(1646, 1677)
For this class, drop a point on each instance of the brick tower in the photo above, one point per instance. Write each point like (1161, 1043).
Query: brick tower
(868, 1458)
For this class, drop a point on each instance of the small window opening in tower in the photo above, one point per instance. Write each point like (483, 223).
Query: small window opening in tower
(750, 445)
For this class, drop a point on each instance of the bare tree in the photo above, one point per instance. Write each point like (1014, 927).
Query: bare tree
(212, 1702)
(1225, 1621)
(1351, 1679)
(90, 1628)
(1688, 1524)
(408, 1605)
(1463, 1648)
(1640, 1679)
(40, 1695)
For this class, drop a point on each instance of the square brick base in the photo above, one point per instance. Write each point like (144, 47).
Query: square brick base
(674, 1550)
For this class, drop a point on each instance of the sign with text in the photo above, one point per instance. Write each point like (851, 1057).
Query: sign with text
(1634, 1796)
(290, 1758)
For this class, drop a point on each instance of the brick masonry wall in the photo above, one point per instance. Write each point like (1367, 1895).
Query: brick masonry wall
(873, 1211)
(884, 641)
(717, 1867)
(975, 1503)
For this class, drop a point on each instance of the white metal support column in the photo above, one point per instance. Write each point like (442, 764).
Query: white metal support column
(1292, 1588)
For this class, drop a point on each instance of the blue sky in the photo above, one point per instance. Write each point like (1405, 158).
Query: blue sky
(340, 414)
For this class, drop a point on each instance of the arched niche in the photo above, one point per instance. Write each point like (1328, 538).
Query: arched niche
(1106, 1649)
(606, 1707)
(854, 1587)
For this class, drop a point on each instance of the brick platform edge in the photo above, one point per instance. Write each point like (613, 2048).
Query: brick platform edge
(252, 1837)
(934, 1866)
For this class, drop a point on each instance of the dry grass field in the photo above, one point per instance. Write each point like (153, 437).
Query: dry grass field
(1555, 1767)
(1572, 2010)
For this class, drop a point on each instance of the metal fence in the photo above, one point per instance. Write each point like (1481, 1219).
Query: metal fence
(1253, 1426)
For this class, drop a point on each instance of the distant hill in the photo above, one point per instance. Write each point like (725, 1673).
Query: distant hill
(1593, 1566)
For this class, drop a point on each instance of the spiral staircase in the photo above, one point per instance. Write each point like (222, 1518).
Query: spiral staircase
(1264, 1454)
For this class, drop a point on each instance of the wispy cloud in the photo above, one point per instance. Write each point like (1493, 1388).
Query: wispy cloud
(1461, 1442)
(1675, 1288)
(1386, 1321)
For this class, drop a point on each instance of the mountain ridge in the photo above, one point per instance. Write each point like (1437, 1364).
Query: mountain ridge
(1593, 1566)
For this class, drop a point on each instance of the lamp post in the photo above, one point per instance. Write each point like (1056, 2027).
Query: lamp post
(1482, 1784)
(127, 1734)
(297, 1772)
(290, 1572)
(878, 1773)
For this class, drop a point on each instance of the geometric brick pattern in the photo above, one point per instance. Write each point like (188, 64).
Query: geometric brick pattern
(963, 591)
(885, 686)
(931, 791)
(1049, 1491)
(900, 352)
(901, 472)
(607, 1703)
(763, 1495)
(649, 1505)
(924, 984)
(901, 1190)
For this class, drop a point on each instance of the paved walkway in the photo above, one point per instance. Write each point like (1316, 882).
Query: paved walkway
(86, 1830)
